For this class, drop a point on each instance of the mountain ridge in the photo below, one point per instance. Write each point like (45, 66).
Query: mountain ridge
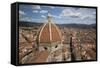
(32, 24)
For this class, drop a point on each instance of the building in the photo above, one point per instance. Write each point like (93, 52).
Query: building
(49, 39)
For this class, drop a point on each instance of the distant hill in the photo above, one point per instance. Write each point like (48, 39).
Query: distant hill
(29, 24)
(32, 24)
(78, 25)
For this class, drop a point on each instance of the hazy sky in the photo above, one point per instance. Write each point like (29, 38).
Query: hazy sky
(60, 15)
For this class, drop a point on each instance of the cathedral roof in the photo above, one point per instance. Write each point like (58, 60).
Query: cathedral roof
(49, 32)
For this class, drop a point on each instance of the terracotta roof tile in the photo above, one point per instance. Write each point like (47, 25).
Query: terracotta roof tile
(49, 33)
(42, 57)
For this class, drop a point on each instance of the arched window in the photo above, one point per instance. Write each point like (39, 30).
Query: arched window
(56, 46)
(45, 48)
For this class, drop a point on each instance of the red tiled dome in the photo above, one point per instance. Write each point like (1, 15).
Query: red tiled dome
(49, 33)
